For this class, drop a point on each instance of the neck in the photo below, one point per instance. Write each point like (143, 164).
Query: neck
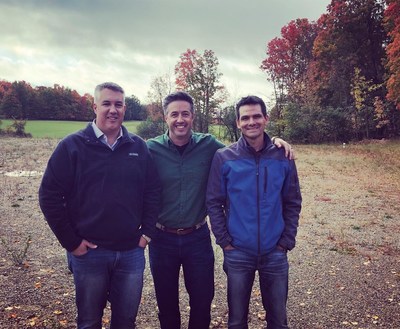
(111, 136)
(257, 144)
(179, 141)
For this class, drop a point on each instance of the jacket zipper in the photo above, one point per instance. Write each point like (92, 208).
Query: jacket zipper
(265, 179)
(258, 202)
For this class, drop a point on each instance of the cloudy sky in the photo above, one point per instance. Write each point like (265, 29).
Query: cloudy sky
(80, 43)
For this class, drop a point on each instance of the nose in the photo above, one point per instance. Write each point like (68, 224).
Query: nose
(179, 118)
(113, 108)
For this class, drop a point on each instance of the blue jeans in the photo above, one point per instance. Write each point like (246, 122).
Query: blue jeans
(273, 271)
(101, 275)
(168, 252)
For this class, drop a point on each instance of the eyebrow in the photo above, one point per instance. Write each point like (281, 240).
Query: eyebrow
(258, 115)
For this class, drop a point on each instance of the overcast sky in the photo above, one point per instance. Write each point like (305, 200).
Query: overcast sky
(81, 43)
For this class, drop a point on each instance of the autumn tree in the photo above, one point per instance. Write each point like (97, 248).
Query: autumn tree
(11, 106)
(351, 35)
(4, 87)
(19, 100)
(392, 25)
(198, 75)
(288, 58)
(286, 66)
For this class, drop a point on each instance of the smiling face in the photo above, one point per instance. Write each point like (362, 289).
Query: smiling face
(179, 119)
(109, 107)
(252, 122)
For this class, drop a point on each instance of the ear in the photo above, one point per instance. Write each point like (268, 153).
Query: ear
(238, 123)
(95, 108)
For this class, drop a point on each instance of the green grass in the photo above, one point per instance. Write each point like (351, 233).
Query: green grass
(58, 129)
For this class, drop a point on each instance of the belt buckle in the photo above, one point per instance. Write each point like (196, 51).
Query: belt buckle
(180, 231)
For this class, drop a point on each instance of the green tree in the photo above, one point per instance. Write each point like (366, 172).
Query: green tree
(134, 109)
(228, 119)
(149, 129)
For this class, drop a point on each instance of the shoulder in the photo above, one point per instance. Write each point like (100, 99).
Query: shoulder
(229, 152)
(155, 141)
(75, 137)
(207, 139)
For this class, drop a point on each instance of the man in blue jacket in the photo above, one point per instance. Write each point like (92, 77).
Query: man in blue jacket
(254, 202)
(100, 195)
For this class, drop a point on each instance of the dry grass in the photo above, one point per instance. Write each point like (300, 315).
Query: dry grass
(345, 270)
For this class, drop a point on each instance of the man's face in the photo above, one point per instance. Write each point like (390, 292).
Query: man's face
(179, 119)
(251, 122)
(110, 111)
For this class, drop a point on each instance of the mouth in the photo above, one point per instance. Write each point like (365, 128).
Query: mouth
(252, 128)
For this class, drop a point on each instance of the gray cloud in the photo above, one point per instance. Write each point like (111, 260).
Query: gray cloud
(80, 43)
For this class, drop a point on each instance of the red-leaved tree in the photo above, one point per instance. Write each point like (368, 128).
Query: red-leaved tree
(198, 75)
(392, 24)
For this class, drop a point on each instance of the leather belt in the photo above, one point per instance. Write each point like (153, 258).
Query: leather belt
(180, 231)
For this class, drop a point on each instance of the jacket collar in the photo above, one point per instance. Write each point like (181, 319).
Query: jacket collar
(267, 143)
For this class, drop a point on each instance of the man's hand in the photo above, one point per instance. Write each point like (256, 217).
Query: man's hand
(142, 242)
(289, 152)
(229, 247)
(83, 248)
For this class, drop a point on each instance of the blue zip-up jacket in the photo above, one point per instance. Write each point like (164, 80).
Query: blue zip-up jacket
(108, 197)
(253, 198)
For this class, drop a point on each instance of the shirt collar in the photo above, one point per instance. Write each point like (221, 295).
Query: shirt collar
(100, 135)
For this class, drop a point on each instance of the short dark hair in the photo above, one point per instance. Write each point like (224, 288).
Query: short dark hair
(107, 85)
(178, 96)
(250, 100)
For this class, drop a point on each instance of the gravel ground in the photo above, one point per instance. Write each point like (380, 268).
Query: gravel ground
(345, 270)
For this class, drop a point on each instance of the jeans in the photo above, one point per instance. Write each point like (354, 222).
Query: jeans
(273, 271)
(101, 275)
(168, 252)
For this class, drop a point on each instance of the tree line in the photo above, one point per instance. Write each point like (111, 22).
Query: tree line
(335, 79)
(19, 100)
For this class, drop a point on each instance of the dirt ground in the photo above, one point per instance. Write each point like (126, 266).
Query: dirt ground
(345, 270)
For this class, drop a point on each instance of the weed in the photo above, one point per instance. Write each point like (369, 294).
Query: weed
(17, 255)
(387, 216)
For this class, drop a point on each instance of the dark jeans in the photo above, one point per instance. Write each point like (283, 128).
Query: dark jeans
(168, 252)
(273, 271)
(102, 275)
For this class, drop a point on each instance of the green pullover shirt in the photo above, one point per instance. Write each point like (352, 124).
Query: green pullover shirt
(183, 178)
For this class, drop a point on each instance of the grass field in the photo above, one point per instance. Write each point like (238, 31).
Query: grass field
(58, 129)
